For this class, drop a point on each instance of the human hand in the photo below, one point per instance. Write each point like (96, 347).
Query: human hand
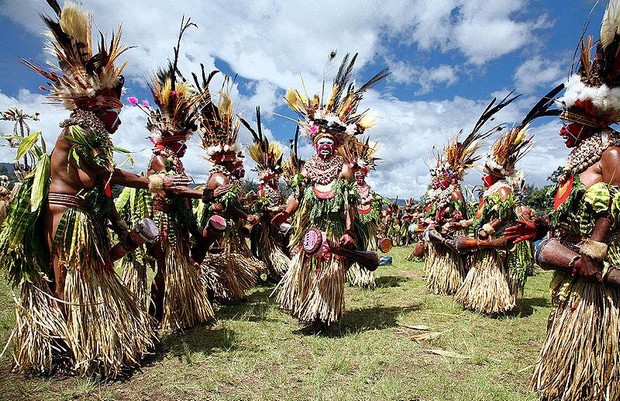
(347, 241)
(279, 218)
(523, 231)
(222, 189)
(588, 269)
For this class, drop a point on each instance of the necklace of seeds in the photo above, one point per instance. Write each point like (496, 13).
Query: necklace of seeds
(323, 172)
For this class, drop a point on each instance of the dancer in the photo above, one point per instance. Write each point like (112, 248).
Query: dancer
(178, 296)
(313, 288)
(446, 268)
(489, 286)
(268, 158)
(231, 273)
(360, 155)
(579, 358)
(73, 311)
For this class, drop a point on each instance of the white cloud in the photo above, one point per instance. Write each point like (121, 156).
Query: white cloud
(426, 78)
(270, 44)
(537, 72)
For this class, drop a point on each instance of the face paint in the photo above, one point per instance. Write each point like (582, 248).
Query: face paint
(360, 175)
(488, 180)
(573, 133)
(325, 147)
(179, 148)
(111, 119)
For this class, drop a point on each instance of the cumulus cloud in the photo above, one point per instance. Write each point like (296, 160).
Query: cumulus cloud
(538, 72)
(426, 78)
(269, 44)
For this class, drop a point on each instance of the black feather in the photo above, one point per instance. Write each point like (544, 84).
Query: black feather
(378, 77)
(541, 108)
(55, 6)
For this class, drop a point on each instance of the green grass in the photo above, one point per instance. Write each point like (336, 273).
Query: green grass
(253, 352)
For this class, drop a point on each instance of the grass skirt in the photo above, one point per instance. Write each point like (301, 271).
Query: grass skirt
(108, 329)
(186, 301)
(359, 276)
(134, 277)
(230, 274)
(447, 272)
(430, 255)
(272, 254)
(489, 287)
(313, 290)
(40, 333)
(580, 358)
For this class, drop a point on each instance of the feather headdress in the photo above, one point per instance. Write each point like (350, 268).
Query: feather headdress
(82, 79)
(337, 114)
(460, 156)
(592, 96)
(292, 166)
(360, 154)
(175, 117)
(219, 125)
(511, 146)
(507, 150)
(267, 155)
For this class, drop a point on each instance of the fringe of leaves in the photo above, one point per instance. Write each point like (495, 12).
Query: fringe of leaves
(581, 353)
(447, 271)
(488, 287)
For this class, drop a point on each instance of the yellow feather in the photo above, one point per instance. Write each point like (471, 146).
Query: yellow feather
(296, 100)
(255, 153)
(225, 104)
(165, 91)
(75, 21)
(276, 149)
(367, 120)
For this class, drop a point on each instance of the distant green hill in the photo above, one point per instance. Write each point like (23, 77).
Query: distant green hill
(8, 169)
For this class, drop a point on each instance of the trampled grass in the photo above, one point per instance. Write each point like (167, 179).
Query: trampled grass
(254, 353)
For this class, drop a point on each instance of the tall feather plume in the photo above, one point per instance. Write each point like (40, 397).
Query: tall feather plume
(543, 107)
(293, 165)
(204, 94)
(609, 44)
(326, 71)
(493, 109)
(219, 125)
(338, 115)
(341, 80)
(176, 100)
(360, 152)
(609, 25)
(79, 74)
(267, 155)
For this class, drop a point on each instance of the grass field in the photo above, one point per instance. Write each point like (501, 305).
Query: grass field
(254, 353)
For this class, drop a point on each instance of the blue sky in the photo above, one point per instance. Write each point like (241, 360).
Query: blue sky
(448, 57)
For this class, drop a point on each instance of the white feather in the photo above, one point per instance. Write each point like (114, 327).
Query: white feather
(611, 22)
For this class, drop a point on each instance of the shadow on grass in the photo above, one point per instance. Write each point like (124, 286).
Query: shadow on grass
(375, 318)
(253, 309)
(203, 339)
(390, 281)
(526, 306)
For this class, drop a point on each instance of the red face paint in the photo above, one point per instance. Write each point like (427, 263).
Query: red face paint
(488, 180)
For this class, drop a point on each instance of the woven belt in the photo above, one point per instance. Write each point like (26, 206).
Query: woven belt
(55, 198)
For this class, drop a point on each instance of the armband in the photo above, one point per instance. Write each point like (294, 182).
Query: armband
(594, 249)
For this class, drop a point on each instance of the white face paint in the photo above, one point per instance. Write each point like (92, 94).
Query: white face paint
(325, 147)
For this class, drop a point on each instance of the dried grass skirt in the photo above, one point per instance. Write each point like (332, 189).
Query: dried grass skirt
(489, 286)
(580, 358)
